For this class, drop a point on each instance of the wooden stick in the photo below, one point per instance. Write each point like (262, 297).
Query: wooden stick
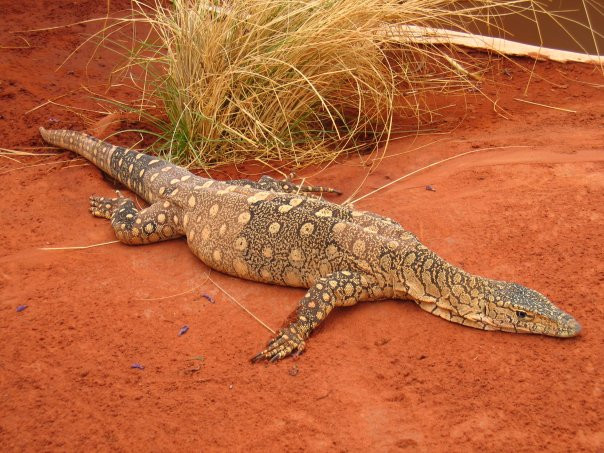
(429, 35)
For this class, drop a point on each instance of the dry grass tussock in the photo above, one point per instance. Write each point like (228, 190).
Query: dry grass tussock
(299, 81)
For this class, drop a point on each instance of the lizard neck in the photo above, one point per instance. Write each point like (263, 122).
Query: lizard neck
(443, 289)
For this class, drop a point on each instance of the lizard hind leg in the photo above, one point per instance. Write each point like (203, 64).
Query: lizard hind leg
(289, 187)
(158, 222)
(275, 185)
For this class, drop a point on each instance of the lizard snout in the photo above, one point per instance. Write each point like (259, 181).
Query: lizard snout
(570, 328)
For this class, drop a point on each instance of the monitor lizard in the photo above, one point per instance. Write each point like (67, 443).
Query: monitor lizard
(271, 231)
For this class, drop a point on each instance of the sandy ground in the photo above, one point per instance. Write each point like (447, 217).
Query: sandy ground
(385, 376)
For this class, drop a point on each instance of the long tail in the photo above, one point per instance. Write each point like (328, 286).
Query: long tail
(137, 171)
(93, 149)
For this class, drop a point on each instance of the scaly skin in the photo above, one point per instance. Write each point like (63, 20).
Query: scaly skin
(269, 231)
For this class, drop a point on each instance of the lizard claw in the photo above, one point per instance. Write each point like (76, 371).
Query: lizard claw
(103, 207)
(289, 341)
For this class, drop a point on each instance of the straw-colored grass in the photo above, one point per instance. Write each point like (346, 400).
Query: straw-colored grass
(300, 81)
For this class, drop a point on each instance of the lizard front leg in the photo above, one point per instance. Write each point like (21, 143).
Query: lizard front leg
(338, 289)
(158, 222)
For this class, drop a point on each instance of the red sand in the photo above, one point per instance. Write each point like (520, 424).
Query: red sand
(386, 376)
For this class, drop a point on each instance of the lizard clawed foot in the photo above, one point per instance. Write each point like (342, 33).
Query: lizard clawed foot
(303, 188)
(289, 341)
(103, 207)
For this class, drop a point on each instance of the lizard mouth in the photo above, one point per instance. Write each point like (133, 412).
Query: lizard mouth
(565, 328)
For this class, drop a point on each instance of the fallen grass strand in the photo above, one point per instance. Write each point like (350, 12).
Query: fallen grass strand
(80, 247)
(243, 307)
(561, 109)
(41, 165)
(170, 296)
(456, 156)
(17, 152)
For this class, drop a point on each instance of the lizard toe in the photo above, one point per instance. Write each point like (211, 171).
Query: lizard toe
(288, 342)
(103, 207)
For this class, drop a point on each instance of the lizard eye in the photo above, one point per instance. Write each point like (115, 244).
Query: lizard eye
(521, 314)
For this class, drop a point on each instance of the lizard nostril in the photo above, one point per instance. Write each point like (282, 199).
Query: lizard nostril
(571, 328)
(575, 327)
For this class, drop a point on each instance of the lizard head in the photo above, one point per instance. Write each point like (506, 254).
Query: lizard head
(517, 308)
